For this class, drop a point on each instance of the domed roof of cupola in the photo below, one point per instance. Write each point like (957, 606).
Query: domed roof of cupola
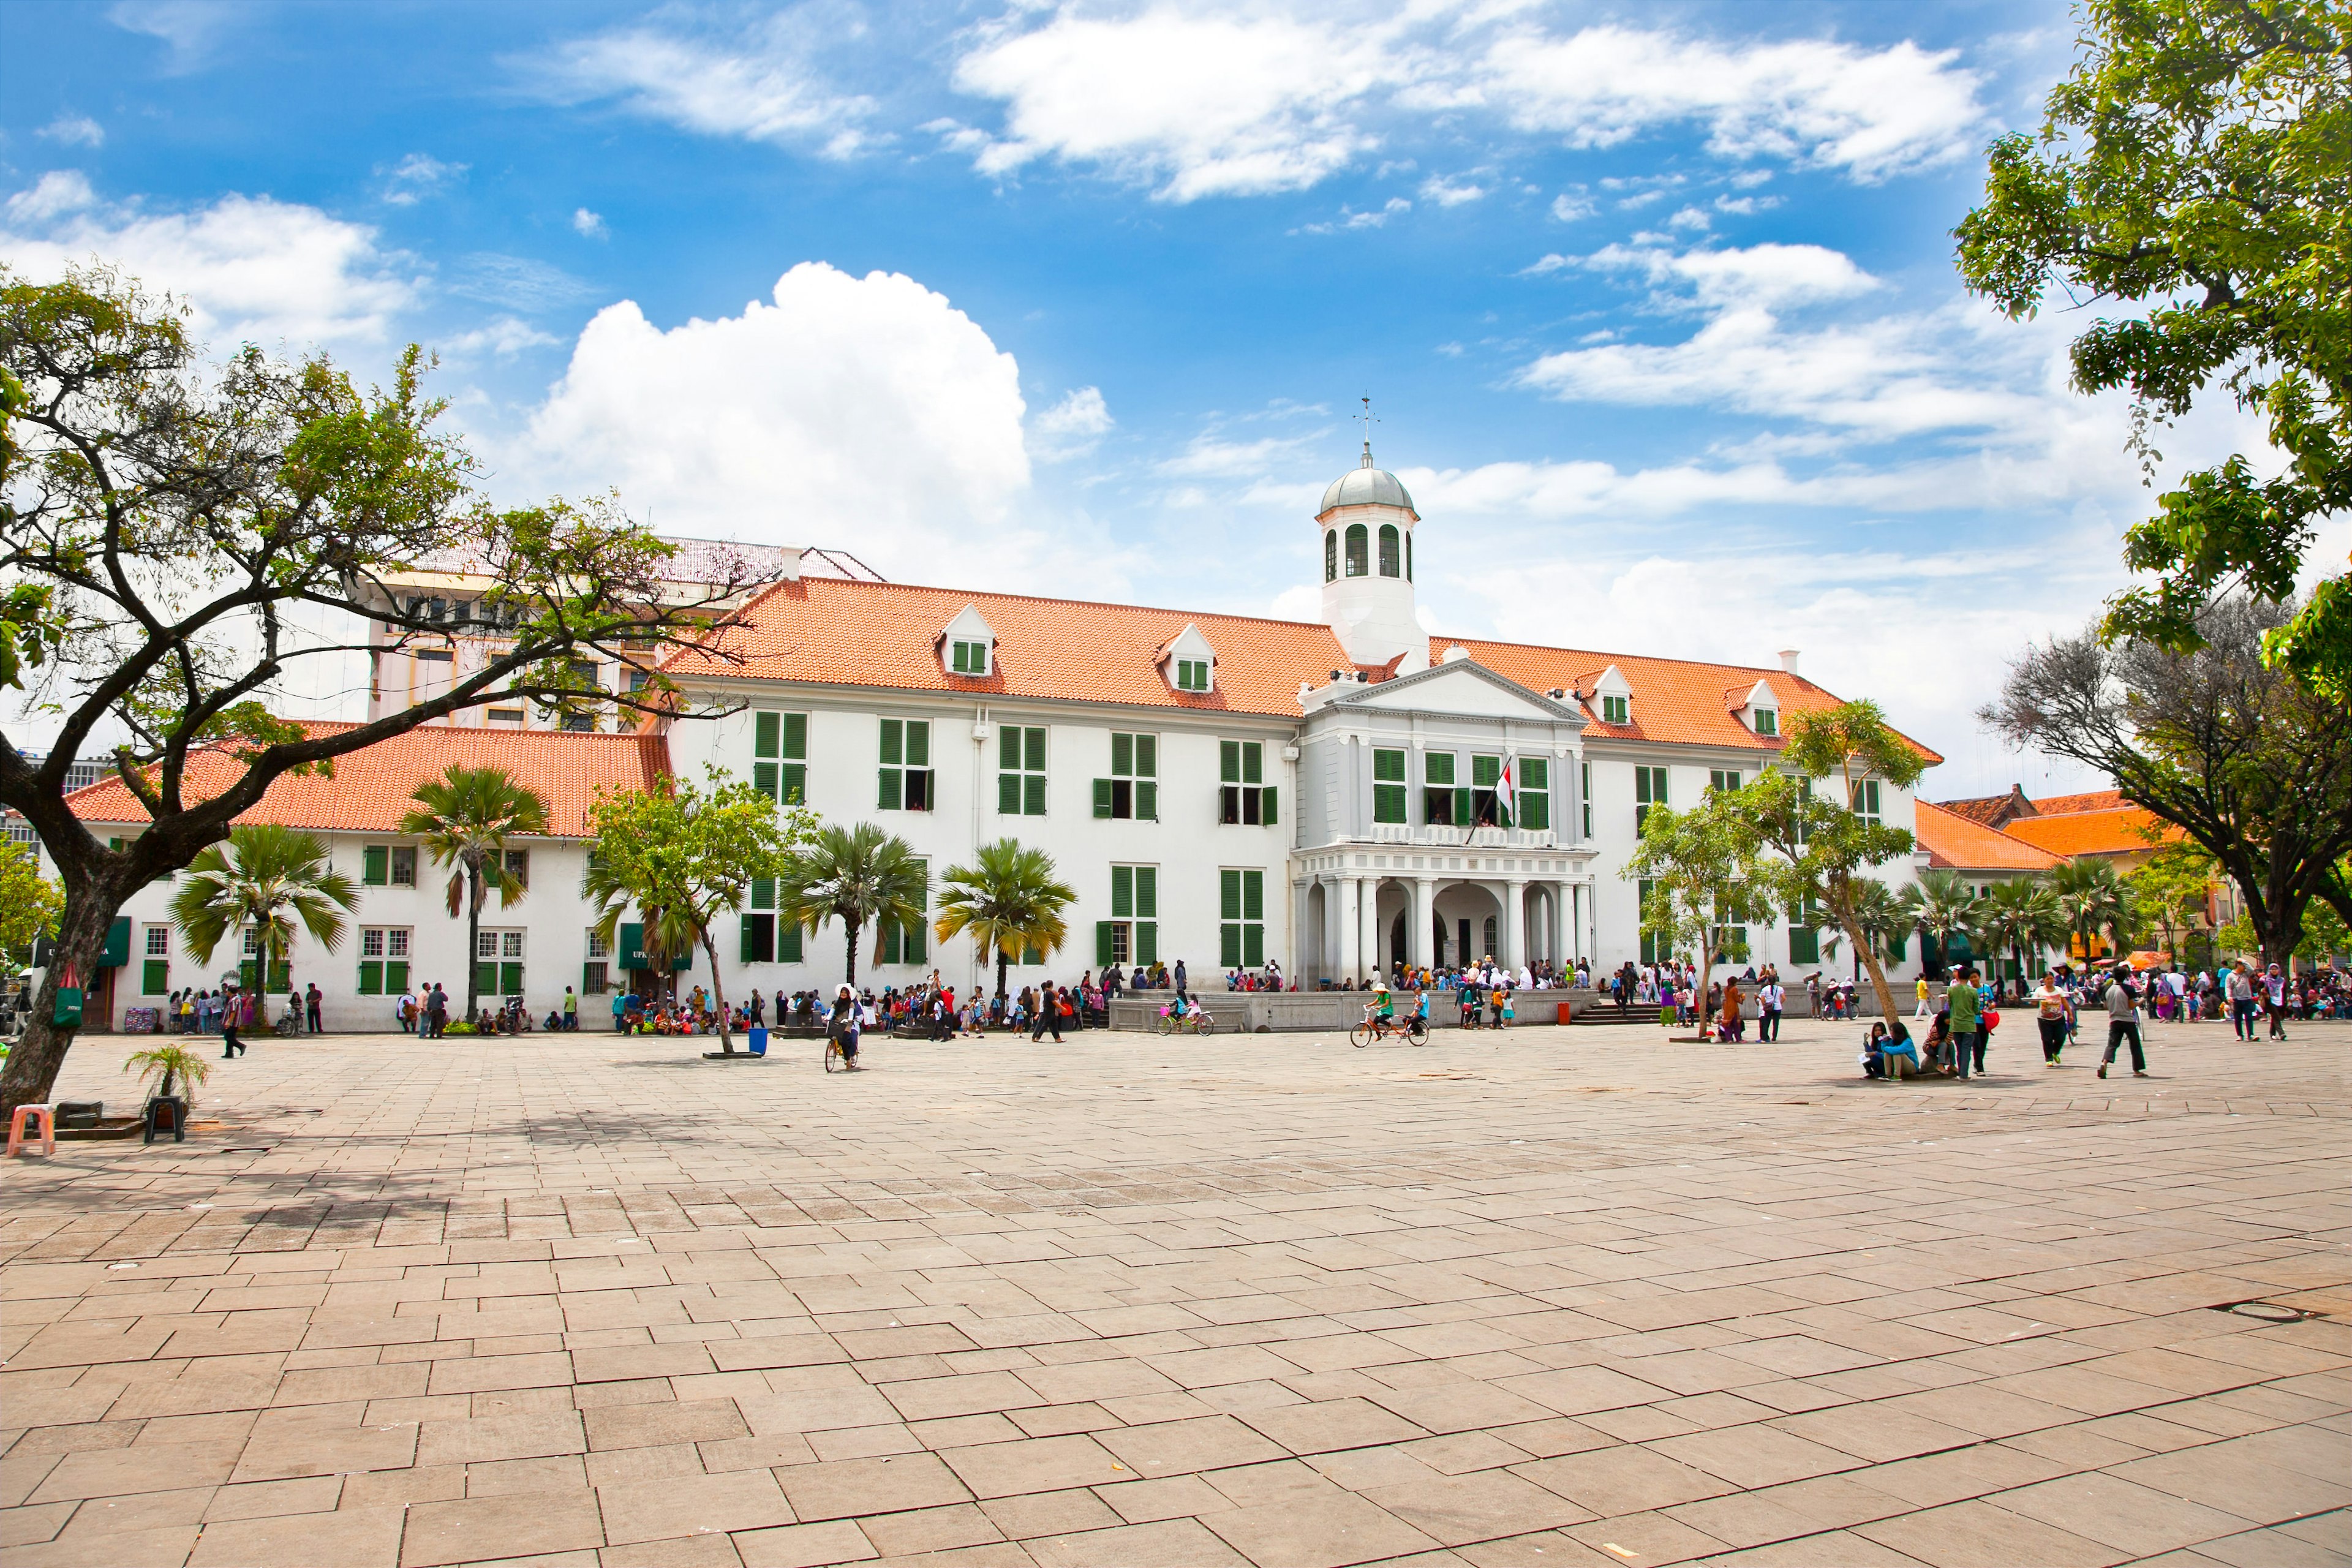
(1365, 485)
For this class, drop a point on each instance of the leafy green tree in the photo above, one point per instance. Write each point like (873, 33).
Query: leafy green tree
(464, 818)
(1709, 876)
(859, 876)
(164, 520)
(1939, 906)
(2172, 891)
(2251, 764)
(2022, 917)
(30, 904)
(268, 879)
(684, 857)
(1829, 839)
(1009, 898)
(2193, 170)
(1878, 916)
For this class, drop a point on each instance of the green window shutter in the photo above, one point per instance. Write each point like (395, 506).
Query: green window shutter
(1147, 941)
(1147, 892)
(486, 978)
(1102, 944)
(1387, 767)
(1008, 748)
(1122, 755)
(1461, 817)
(890, 943)
(1229, 945)
(1147, 756)
(281, 976)
(1033, 749)
(747, 947)
(1229, 895)
(1253, 946)
(766, 734)
(796, 737)
(1486, 773)
(1008, 795)
(961, 658)
(1147, 801)
(510, 979)
(915, 951)
(1032, 955)
(894, 742)
(395, 976)
(918, 742)
(763, 779)
(764, 892)
(1535, 812)
(890, 792)
(1804, 945)
(1122, 892)
(1895, 943)
(788, 945)
(795, 783)
(155, 977)
(1253, 762)
(249, 974)
(1228, 761)
(1265, 804)
(1535, 772)
(371, 977)
(1033, 793)
(375, 866)
(1102, 798)
(1252, 895)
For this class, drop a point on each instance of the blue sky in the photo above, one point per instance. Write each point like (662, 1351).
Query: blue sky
(1655, 306)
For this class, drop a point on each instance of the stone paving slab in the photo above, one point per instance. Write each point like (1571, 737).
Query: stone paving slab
(1555, 1297)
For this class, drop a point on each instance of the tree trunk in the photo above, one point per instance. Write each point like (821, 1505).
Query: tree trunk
(850, 962)
(1003, 962)
(36, 1059)
(719, 991)
(473, 942)
(1869, 957)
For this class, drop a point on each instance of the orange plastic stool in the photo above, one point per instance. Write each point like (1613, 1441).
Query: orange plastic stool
(49, 1115)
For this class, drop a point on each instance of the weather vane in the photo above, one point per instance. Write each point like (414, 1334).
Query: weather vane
(1368, 420)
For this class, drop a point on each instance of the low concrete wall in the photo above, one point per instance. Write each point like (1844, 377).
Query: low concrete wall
(1327, 1012)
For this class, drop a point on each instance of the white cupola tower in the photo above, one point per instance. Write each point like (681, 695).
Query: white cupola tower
(1367, 521)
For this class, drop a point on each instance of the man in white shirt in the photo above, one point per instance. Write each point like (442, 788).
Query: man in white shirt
(2242, 1001)
(1769, 1002)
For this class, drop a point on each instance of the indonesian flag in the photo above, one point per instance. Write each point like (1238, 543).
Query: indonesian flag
(1507, 788)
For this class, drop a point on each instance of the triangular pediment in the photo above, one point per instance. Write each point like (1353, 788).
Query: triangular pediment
(1465, 687)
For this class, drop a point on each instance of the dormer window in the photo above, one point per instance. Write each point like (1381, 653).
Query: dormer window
(1616, 709)
(968, 645)
(1191, 662)
(1612, 694)
(1761, 708)
(1768, 721)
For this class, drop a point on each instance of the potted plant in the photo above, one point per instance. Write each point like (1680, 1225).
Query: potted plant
(173, 1064)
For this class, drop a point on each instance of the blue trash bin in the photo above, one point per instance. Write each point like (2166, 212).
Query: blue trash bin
(759, 1041)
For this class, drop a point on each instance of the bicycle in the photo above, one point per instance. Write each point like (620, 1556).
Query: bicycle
(1414, 1030)
(1197, 1020)
(834, 1057)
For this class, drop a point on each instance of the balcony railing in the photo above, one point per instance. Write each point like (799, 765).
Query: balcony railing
(1430, 836)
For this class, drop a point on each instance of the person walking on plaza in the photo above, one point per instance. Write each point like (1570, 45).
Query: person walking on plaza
(2052, 1006)
(1960, 999)
(232, 1016)
(571, 1009)
(1049, 1010)
(1921, 1010)
(1769, 1002)
(2242, 1001)
(437, 1013)
(314, 1004)
(2274, 997)
(2123, 1023)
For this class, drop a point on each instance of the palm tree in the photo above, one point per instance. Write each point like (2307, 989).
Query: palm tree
(859, 876)
(1878, 914)
(1008, 899)
(265, 879)
(1940, 906)
(464, 818)
(2092, 899)
(2023, 917)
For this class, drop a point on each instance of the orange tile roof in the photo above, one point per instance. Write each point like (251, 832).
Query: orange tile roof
(886, 634)
(2094, 832)
(369, 792)
(1983, 809)
(2067, 805)
(1673, 700)
(1954, 842)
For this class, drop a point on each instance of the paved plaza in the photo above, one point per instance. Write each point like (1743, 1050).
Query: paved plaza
(1559, 1298)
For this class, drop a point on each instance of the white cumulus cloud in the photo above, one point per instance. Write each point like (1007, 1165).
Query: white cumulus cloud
(73, 130)
(863, 411)
(590, 225)
(762, 84)
(249, 268)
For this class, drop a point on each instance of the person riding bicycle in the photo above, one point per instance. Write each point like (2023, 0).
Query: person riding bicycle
(1420, 1011)
(1383, 1005)
(849, 1016)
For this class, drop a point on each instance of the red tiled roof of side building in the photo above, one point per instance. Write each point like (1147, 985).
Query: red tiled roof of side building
(887, 634)
(370, 790)
(1674, 701)
(1956, 842)
(2067, 805)
(1980, 808)
(2112, 832)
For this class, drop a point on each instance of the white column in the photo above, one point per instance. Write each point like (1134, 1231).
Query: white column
(1351, 926)
(1515, 925)
(1417, 924)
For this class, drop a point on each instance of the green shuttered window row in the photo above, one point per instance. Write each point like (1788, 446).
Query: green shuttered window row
(1132, 933)
(1133, 789)
(1021, 771)
(1388, 786)
(1241, 911)
(905, 772)
(1243, 797)
(780, 756)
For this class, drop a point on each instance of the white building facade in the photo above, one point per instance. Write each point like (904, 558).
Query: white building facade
(1337, 796)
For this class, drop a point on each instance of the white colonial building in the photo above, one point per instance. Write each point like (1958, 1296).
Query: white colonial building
(1336, 795)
